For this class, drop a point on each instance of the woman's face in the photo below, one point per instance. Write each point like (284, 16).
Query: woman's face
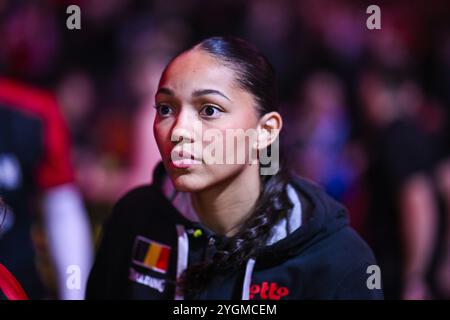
(198, 97)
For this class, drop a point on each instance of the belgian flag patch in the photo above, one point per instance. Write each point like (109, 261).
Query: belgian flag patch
(151, 254)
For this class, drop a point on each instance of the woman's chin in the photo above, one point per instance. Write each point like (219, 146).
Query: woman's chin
(187, 183)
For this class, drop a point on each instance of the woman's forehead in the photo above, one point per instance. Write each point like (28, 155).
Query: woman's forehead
(196, 68)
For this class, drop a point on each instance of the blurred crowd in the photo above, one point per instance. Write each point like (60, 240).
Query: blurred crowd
(367, 112)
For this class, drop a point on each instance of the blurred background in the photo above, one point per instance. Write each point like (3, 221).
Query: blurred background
(367, 116)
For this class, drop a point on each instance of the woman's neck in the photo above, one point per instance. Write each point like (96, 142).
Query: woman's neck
(225, 206)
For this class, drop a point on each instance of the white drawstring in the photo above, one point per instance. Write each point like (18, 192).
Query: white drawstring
(182, 261)
(248, 279)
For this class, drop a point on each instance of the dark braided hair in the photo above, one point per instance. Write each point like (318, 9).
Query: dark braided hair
(255, 74)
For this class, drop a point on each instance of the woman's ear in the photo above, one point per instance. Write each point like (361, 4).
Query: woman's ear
(269, 127)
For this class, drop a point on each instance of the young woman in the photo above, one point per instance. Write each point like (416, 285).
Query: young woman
(10, 288)
(213, 230)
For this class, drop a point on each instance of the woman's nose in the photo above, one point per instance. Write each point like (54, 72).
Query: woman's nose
(184, 127)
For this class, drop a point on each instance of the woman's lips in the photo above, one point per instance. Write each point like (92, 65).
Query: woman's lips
(184, 161)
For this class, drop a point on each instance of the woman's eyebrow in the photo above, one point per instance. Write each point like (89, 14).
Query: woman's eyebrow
(165, 91)
(202, 92)
(196, 93)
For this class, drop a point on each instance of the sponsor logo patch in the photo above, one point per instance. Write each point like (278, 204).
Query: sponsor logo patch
(268, 291)
(146, 280)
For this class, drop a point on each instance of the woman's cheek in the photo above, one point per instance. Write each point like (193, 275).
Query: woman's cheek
(162, 137)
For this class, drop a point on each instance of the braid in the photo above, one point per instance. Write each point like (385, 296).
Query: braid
(272, 205)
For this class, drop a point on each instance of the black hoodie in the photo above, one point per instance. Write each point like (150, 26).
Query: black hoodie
(147, 242)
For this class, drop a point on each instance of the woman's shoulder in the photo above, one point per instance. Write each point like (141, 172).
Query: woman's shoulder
(329, 222)
(351, 247)
(355, 264)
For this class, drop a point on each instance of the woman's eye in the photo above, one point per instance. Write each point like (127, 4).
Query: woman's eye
(210, 111)
(164, 109)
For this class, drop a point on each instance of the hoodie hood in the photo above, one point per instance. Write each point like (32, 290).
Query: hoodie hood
(321, 217)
